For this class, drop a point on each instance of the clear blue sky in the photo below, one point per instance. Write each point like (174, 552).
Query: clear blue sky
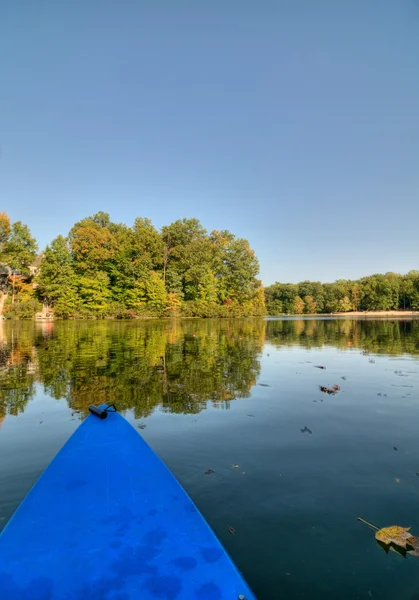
(293, 123)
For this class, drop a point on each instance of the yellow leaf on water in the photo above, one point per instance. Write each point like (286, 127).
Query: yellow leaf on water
(397, 480)
(398, 536)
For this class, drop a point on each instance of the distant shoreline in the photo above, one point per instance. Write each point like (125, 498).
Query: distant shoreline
(378, 313)
(357, 313)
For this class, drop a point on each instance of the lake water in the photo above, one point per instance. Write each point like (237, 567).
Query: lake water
(212, 394)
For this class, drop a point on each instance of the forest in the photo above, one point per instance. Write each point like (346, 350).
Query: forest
(373, 293)
(106, 269)
(103, 269)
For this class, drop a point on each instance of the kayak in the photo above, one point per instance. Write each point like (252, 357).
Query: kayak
(108, 521)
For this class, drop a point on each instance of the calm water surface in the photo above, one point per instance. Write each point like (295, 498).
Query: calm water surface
(212, 394)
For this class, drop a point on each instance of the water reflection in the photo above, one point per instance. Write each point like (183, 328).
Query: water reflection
(179, 365)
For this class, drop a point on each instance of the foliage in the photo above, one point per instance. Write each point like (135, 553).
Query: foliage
(376, 292)
(23, 308)
(19, 248)
(110, 269)
(17, 252)
(57, 282)
(5, 229)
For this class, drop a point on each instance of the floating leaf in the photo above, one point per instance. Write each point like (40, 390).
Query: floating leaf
(306, 430)
(231, 529)
(235, 466)
(397, 480)
(319, 367)
(395, 536)
(329, 390)
(209, 472)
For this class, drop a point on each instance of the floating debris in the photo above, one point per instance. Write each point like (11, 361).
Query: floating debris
(264, 385)
(235, 466)
(344, 378)
(319, 367)
(395, 448)
(231, 529)
(329, 390)
(142, 426)
(397, 480)
(306, 430)
(250, 415)
(371, 360)
(209, 472)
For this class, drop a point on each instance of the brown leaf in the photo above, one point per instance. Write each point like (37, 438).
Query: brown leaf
(395, 535)
(414, 542)
(327, 390)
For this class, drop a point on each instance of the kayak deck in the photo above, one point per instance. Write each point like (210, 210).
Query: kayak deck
(108, 521)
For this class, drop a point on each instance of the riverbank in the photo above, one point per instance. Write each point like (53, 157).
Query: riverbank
(378, 313)
(363, 314)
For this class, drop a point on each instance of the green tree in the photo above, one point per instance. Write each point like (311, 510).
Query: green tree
(18, 251)
(310, 306)
(298, 308)
(5, 230)
(156, 291)
(56, 279)
(92, 243)
(94, 293)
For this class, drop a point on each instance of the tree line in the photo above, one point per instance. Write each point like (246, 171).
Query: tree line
(108, 269)
(375, 292)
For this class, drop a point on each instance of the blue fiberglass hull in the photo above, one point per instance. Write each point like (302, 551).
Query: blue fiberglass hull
(108, 521)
